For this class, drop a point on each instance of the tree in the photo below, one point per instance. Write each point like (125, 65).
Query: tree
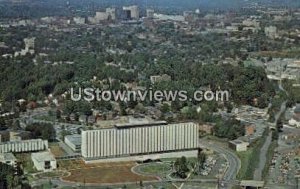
(201, 160)
(44, 131)
(181, 167)
(58, 114)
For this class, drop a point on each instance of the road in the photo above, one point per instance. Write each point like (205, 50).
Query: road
(265, 147)
(263, 158)
(234, 163)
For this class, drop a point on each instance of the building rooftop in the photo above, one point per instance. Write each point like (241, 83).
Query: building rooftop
(21, 141)
(43, 156)
(75, 139)
(4, 157)
(237, 141)
(140, 124)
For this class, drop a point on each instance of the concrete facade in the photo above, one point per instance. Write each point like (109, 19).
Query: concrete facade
(132, 12)
(150, 13)
(44, 161)
(238, 145)
(128, 141)
(74, 142)
(24, 146)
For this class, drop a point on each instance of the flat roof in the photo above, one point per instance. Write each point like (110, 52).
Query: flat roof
(7, 157)
(22, 141)
(43, 156)
(75, 139)
(237, 141)
(141, 124)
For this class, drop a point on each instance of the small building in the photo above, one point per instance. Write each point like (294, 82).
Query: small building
(238, 145)
(74, 142)
(8, 158)
(159, 78)
(44, 161)
(83, 119)
(91, 119)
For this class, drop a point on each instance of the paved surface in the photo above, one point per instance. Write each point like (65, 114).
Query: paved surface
(234, 163)
(263, 158)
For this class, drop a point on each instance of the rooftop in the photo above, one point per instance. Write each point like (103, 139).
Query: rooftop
(140, 124)
(237, 141)
(7, 157)
(43, 156)
(22, 141)
(75, 139)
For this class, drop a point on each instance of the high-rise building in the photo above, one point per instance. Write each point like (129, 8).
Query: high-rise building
(132, 12)
(111, 13)
(150, 13)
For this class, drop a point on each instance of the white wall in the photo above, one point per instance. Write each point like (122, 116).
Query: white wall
(140, 140)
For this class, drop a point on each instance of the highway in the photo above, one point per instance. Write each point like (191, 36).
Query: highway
(234, 163)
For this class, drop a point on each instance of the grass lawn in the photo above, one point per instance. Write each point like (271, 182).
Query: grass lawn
(104, 173)
(245, 158)
(156, 168)
(250, 158)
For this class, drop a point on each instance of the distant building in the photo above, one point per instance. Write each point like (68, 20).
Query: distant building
(271, 32)
(29, 47)
(79, 20)
(29, 43)
(158, 78)
(91, 119)
(100, 16)
(177, 18)
(150, 13)
(74, 142)
(24, 146)
(132, 12)
(82, 119)
(250, 22)
(8, 158)
(111, 13)
(238, 145)
(44, 161)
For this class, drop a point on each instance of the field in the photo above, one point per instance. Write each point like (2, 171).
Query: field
(56, 150)
(101, 172)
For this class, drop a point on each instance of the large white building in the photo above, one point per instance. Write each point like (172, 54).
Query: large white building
(139, 139)
(24, 146)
